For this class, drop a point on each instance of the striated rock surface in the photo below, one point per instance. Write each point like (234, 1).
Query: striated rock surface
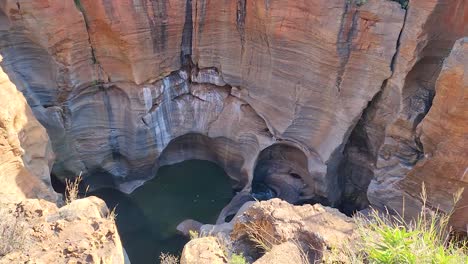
(25, 151)
(112, 105)
(318, 99)
(79, 232)
(444, 138)
(386, 148)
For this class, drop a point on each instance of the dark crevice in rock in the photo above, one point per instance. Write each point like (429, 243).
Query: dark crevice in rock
(356, 169)
(240, 22)
(397, 51)
(346, 34)
(187, 36)
(158, 26)
(102, 75)
(359, 156)
(200, 15)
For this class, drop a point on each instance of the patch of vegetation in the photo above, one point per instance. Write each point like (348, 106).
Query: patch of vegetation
(193, 234)
(12, 231)
(237, 259)
(72, 188)
(258, 234)
(403, 3)
(390, 239)
(166, 258)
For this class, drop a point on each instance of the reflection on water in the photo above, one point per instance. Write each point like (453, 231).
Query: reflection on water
(148, 217)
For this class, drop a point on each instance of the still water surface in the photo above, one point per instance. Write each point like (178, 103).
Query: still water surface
(147, 218)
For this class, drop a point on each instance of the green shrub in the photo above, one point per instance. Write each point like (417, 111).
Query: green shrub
(237, 259)
(193, 234)
(390, 239)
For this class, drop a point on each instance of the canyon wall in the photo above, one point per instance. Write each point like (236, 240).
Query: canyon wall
(25, 152)
(124, 87)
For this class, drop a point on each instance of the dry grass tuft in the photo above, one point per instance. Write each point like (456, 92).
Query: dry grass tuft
(12, 231)
(260, 235)
(72, 189)
(386, 238)
(166, 258)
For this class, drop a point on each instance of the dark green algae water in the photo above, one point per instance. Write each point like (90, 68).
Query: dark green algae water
(147, 218)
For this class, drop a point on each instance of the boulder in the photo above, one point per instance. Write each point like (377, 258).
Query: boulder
(80, 232)
(205, 250)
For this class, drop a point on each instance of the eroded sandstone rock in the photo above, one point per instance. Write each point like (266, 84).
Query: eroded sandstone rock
(25, 152)
(385, 149)
(117, 88)
(443, 135)
(315, 227)
(295, 233)
(205, 250)
(80, 232)
(124, 87)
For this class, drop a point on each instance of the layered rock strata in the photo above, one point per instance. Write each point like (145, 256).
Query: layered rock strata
(387, 148)
(112, 104)
(124, 87)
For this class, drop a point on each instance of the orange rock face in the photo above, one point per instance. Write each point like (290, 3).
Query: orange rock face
(126, 86)
(443, 134)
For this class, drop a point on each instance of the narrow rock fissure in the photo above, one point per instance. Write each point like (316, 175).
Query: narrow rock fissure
(187, 37)
(100, 70)
(354, 196)
(344, 43)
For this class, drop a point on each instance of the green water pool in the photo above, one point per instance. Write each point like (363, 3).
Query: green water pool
(147, 218)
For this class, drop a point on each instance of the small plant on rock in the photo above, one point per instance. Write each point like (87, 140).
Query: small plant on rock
(193, 234)
(166, 258)
(385, 238)
(12, 231)
(72, 188)
(258, 233)
(237, 259)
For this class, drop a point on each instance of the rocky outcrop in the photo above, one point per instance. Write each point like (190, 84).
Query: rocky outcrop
(299, 234)
(25, 151)
(386, 147)
(315, 227)
(205, 250)
(80, 232)
(287, 252)
(443, 136)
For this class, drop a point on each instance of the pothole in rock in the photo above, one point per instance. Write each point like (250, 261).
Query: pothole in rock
(147, 218)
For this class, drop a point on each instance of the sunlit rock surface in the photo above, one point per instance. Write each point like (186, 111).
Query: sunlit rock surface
(25, 151)
(124, 87)
(294, 234)
(80, 232)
